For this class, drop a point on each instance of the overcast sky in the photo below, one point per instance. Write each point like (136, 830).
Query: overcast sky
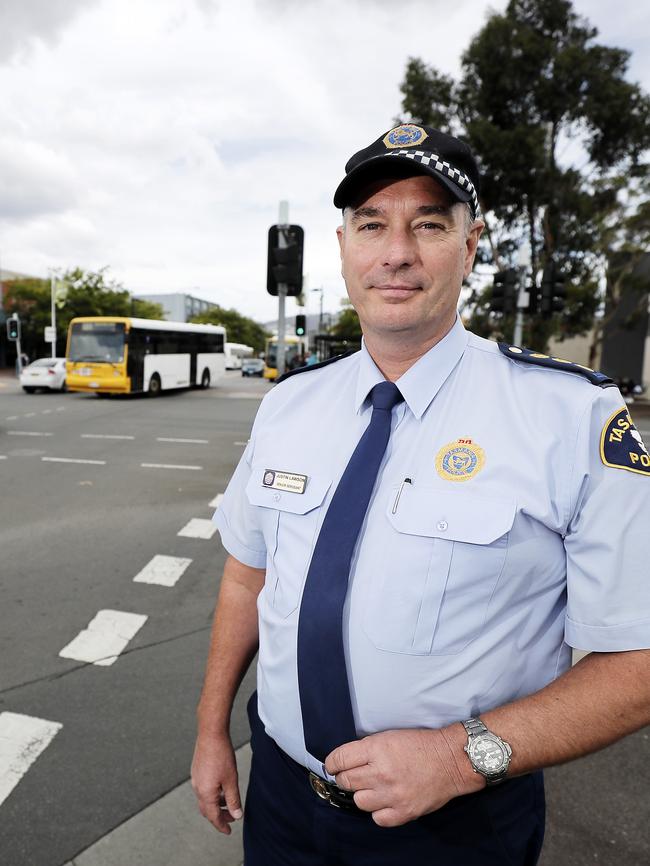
(158, 136)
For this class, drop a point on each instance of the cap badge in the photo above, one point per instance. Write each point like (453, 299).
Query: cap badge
(459, 460)
(407, 135)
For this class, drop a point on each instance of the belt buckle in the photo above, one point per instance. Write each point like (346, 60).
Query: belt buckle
(319, 786)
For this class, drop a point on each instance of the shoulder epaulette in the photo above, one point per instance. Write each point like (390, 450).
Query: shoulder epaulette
(528, 356)
(318, 366)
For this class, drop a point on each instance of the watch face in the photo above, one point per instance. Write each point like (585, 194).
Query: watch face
(488, 754)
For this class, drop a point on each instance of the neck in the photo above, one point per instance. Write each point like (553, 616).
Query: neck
(394, 354)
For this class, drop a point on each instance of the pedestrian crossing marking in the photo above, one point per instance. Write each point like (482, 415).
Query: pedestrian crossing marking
(163, 570)
(198, 527)
(22, 739)
(105, 638)
(216, 502)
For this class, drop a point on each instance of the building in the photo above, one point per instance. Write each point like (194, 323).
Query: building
(178, 306)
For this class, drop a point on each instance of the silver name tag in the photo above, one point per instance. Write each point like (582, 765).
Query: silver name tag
(289, 481)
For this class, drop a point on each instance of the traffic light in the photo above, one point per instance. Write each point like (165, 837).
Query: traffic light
(505, 290)
(301, 325)
(284, 261)
(553, 293)
(13, 329)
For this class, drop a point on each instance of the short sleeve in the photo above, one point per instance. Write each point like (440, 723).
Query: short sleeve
(237, 520)
(607, 541)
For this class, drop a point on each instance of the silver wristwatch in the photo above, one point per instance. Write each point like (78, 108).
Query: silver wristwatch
(488, 754)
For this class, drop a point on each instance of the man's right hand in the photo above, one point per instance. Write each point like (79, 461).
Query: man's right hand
(215, 781)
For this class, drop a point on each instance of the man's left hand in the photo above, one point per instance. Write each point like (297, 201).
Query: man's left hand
(401, 775)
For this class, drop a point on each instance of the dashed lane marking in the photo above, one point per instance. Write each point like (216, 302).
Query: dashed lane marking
(244, 444)
(216, 502)
(198, 527)
(46, 412)
(163, 570)
(12, 418)
(189, 441)
(30, 414)
(104, 436)
(168, 466)
(22, 739)
(73, 460)
(3, 456)
(60, 408)
(27, 433)
(105, 638)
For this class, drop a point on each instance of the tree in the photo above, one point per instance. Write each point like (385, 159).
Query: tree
(239, 328)
(347, 325)
(560, 135)
(87, 293)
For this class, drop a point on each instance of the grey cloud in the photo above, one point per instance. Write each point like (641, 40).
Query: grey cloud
(24, 21)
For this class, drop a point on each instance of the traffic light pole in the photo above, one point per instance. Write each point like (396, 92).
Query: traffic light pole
(283, 222)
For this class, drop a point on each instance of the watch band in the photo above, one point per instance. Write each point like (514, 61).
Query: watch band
(474, 727)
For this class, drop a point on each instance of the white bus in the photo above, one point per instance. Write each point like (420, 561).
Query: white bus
(121, 355)
(235, 354)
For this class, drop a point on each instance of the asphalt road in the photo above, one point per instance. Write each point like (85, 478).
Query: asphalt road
(72, 538)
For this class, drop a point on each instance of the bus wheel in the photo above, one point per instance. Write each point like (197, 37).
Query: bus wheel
(154, 385)
(205, 379)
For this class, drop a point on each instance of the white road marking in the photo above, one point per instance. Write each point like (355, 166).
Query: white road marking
(60, 408)
(216, 502)
(22, 739)
(105, 638)
(73, 460)
(198, 527)
(104, 436)
(241, 443)
(12, 417)
(30, 415)
(167, 466)
(3, 456)
(27, 433)
(46, 412)
(163, 570)
(189, 441)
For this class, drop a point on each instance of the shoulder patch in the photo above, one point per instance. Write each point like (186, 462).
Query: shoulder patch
(621, 445)
(309, 367)
(528, 356)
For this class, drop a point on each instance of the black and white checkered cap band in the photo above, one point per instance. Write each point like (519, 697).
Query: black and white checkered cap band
(454, 174)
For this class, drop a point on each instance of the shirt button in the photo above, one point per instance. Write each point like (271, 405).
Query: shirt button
(442, 526)
(277, 497)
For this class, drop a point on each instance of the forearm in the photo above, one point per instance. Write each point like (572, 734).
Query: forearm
(233, 644)
(601, 699)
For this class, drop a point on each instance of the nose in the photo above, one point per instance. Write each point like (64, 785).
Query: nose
(401, 249)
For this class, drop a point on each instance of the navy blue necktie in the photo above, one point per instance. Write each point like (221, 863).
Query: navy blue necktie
(325, 702)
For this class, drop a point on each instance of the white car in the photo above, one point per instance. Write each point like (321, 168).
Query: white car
(45, 373)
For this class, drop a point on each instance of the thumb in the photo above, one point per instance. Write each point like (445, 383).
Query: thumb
(233, 800)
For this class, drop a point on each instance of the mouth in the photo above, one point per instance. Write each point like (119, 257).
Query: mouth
(397, 291)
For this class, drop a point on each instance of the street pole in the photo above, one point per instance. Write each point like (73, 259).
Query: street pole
(53, 313)
(283, 224)
(523, 298)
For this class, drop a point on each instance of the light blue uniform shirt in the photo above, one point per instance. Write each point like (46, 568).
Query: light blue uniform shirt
(511, 541)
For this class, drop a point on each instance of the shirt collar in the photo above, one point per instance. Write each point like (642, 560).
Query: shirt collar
(421, 382)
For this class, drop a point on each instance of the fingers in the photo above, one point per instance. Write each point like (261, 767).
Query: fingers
(232, 802)
(346, 757)
(356, 779)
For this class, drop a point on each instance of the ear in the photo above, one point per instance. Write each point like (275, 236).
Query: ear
(340, 234)
(471, 245)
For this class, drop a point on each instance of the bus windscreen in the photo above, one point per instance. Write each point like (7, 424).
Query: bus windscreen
(97, 341)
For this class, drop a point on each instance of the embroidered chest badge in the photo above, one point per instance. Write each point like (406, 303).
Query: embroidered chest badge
(460, 460)
(621, 445)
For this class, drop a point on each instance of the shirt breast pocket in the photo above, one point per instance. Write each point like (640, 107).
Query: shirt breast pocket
(290, 523)
(438, 567)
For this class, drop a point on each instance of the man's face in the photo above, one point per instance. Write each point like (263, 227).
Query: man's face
(405, 250)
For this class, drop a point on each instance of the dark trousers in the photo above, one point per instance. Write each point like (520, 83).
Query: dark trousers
(287, 824)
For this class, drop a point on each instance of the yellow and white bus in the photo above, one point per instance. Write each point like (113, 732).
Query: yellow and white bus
(120, 355)
(295, 348)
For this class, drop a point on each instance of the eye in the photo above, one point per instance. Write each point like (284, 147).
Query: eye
(369, 227)
(431, 226)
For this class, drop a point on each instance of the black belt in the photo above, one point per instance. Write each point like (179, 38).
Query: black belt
(332, 794)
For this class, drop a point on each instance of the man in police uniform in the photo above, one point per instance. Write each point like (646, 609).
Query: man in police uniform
(506, 522)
